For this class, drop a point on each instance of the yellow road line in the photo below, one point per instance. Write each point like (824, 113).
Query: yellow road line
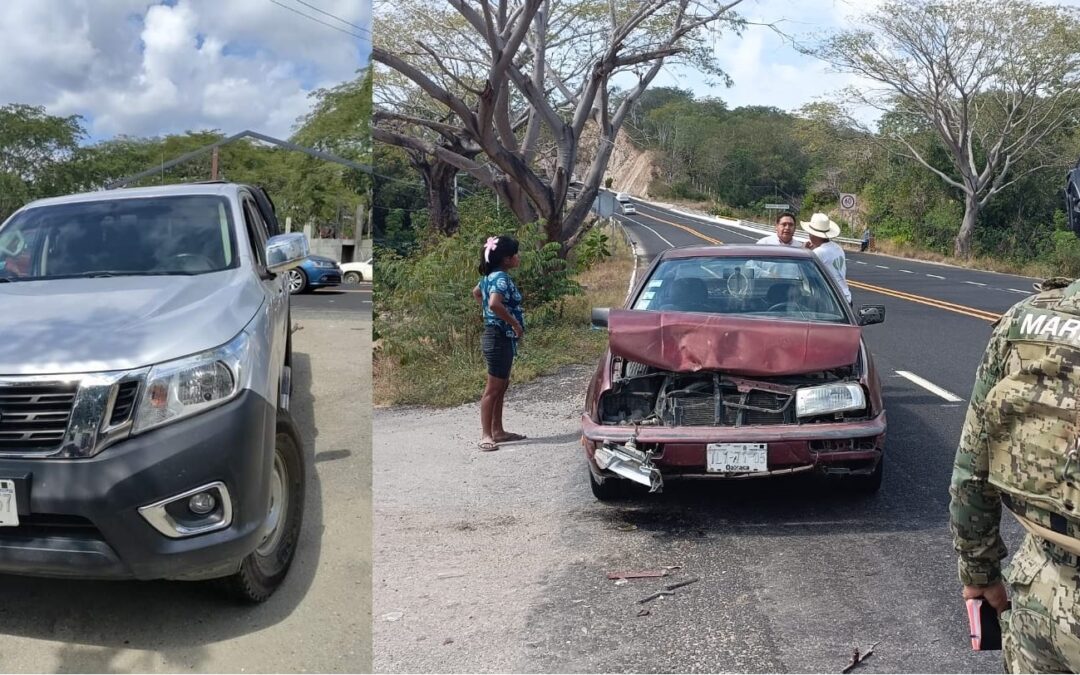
(688, 229)
(932, 302)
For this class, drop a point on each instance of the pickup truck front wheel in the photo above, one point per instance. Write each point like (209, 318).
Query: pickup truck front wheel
(263, 570)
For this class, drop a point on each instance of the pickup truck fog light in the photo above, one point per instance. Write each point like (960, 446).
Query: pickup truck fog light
(202, 503)
(207, 508)
(829, 398)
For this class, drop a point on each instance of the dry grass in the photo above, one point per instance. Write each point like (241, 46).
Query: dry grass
(1033, 269)
(459, 377)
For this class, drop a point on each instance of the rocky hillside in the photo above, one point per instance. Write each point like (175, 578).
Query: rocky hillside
(630, 168)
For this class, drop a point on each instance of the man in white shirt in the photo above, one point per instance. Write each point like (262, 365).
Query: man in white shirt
(822, 231)
(785, 231)
(785, 236)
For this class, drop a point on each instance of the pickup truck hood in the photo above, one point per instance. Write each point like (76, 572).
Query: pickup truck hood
(115, 323)
(690, 342)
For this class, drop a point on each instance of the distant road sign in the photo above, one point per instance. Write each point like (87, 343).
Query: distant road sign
(778, 207)
(847, 201)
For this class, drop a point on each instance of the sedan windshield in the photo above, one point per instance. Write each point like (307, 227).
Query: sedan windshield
(777, 288)
(188, 234)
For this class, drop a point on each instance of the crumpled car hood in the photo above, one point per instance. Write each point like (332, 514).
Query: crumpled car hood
(691, 342)
(117, 323)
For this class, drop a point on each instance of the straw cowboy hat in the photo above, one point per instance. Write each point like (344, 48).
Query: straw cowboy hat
(821, 225)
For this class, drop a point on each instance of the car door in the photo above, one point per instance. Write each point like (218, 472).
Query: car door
(274, 286)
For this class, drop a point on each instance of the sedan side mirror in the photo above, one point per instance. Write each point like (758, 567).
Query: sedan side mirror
(286, 251)
(600, 317)
(869, 314)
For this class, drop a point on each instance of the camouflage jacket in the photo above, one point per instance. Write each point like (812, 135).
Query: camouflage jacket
(1017, 445)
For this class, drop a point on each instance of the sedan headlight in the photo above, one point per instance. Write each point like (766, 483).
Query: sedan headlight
(829, 398)
(188, 386)
(325, 264)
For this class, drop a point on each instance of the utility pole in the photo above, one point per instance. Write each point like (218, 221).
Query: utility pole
(214, 164)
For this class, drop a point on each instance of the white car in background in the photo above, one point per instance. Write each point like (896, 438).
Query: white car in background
(355, 272)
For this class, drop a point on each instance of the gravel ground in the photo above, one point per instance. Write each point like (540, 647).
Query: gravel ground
(496, 562)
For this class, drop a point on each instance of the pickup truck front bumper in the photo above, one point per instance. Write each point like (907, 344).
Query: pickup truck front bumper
(80, 517)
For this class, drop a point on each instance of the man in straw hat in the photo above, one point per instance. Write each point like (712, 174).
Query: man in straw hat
(822, 231)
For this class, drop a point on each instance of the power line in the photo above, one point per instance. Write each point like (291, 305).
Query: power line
(328, 25)
(333, 16)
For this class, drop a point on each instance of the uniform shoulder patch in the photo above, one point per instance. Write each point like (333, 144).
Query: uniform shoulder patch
(1052, 283)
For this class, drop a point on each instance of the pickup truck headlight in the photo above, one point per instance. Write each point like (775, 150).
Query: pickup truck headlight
(829, 398)
(185, 387)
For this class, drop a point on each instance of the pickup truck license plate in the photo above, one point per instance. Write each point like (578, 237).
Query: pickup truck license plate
(737, 458)
(9, 508)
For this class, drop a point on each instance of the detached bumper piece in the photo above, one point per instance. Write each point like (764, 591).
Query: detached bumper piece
(630, 463)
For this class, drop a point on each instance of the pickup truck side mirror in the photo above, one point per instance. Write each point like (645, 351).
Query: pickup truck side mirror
(286, 251)
(869, 314)
(600, 317)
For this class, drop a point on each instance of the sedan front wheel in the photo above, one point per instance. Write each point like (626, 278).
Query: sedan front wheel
(297, 281)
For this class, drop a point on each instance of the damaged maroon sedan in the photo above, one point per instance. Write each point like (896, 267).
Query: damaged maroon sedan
(734, 362)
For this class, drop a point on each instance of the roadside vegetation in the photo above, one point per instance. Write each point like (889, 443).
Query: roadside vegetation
(428, 326)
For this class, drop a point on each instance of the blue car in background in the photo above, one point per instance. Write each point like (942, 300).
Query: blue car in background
(315, 272)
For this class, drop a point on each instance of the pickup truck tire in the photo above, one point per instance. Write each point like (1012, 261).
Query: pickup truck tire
(263, 570)
(353, 277)
(297, 280)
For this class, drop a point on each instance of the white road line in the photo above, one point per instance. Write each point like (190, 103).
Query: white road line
(882, 267)
(860, 262)
(638, 222)
(974, 283)
(929, 386)
(907, 271)
(935, 276)
(1017, 290)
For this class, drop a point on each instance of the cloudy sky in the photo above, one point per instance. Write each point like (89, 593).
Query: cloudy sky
(147, 67)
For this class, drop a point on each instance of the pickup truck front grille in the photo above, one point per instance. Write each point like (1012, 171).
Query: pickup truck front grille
(34, 416)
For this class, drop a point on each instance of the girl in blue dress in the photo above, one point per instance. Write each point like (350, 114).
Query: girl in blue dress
(504, 324)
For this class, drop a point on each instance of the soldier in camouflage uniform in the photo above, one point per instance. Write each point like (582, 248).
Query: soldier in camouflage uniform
(1019, 447)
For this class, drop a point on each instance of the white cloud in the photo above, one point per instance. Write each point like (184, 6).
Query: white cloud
(766, 68)
(142, 68)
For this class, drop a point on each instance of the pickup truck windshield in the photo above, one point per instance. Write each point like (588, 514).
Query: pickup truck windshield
(187, 234)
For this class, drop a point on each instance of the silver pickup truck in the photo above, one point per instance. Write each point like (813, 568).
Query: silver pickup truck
(144, 388)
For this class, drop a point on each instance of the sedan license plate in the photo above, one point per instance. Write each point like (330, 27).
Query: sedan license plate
(737, 458)
(9, 507)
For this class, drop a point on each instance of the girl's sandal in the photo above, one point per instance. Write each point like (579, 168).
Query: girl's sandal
(488, 446)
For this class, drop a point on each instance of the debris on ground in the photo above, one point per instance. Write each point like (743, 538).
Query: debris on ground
(672, 587)
(857, 658)
(392, 616)
(448, 641)
(654, 596)
(668, 590)
(643, 574)
(626, 528)
(644, 612)
(621, 582)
